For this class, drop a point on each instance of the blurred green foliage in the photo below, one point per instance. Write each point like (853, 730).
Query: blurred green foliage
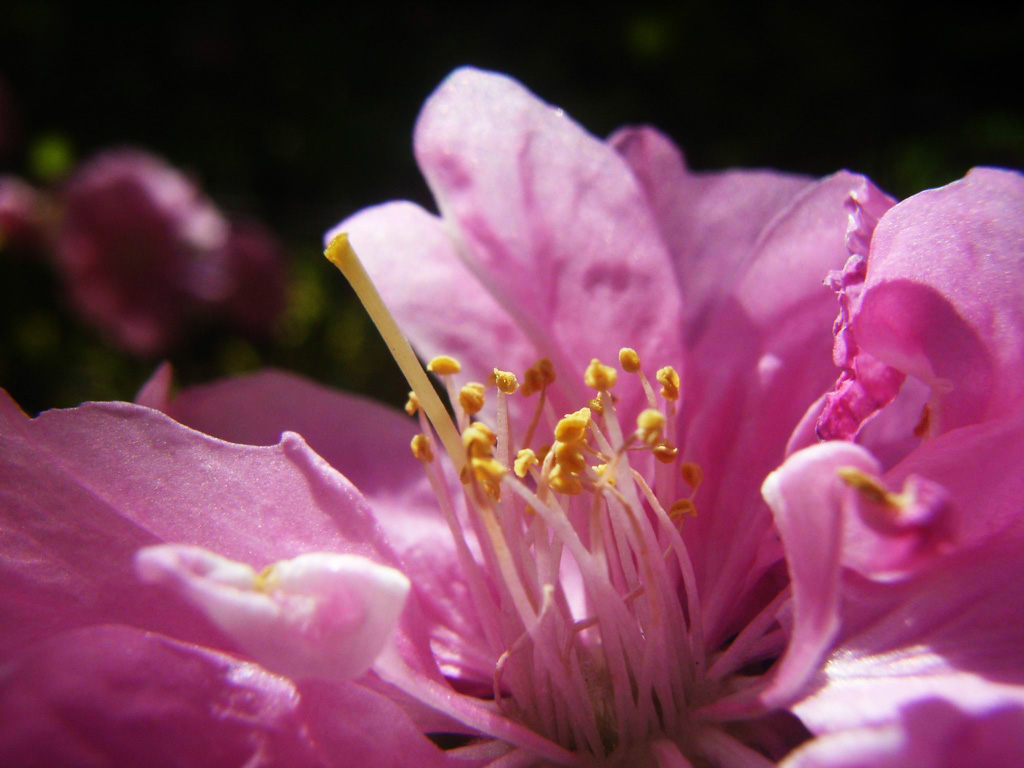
(299, 118)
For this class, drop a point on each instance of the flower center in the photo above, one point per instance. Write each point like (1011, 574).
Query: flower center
(583, 584)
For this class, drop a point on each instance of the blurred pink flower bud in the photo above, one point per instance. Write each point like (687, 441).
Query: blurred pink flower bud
(22, 214)
(143, 253)
(140, 248)
(255, 262)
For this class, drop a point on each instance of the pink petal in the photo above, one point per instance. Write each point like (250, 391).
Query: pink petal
(369, 444)
(359, 437)
(709, 221)
(757, 363)
(439, 303)
(942, 300)
(805, 496)
(979, 468)
(359, 727)
(116, 696)
(156, 391)
(551, 221)
(931, 733)
(954, 632)
(73, 517)
(318, 615)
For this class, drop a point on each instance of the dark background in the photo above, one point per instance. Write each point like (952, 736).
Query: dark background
(299, 118)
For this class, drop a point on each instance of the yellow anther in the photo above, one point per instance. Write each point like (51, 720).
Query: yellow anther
(412, 405)
(421, 448)
(506, 381)
(525, 459)
(546, 370)
(489, 472)
(471, 397)
(665, 453)
(569, 456)
(870, 487)
(600, 376)
(596, 406)
(487, 431)
(573, 426)
(669, 380)
(443, 365)
(533, 381)
(629, 360)
(477, 442)
(602, 470)
(562, 480)
(542, 452)
(268, 579)
(692, 474)
(650, 424)
(924, 423)
(681, 508)
(489, 469)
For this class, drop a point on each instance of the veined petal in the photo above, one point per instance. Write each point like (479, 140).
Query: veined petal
(319, 615)
(761, 361)
(442, 306)
(709, 221)
(551, 221)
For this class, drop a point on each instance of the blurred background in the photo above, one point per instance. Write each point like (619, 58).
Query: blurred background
(256, 131)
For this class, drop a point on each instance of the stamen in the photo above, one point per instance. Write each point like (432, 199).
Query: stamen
(412, 405)
(599, 376)
(650, 425)
(525, 459)
(506, 381)
(471, 397)
(681, 508)
(421, 448)
(443, 365)
(339, 252)
(629, 360)
(692, 474)
(669, 380)
(924, 423)
(868, 486)
(665, 453)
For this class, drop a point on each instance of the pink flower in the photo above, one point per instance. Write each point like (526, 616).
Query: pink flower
(869, 587)
(144, 253)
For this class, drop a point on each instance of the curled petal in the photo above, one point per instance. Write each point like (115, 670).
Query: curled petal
(942, 297)
(315, 616)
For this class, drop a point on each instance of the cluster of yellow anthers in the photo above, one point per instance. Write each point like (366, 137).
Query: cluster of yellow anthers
(562, 464)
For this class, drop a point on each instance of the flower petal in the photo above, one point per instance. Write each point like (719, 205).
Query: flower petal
(763, 357)
(551, 221)
(954, 632)
(805, 496)
(73, 517)
(438, 302)
(368, 443)
(931, 733)
(710, 221)
(112, 695)
(943, 296)
(318, 615)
